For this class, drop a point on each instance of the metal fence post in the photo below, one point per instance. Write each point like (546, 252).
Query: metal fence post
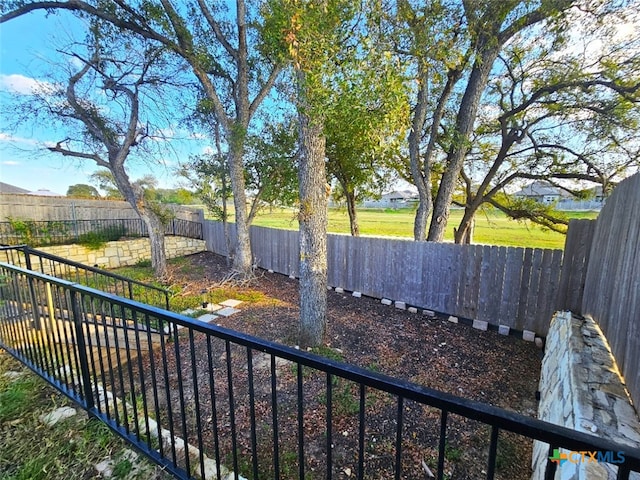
(32, 291)
(82, 351)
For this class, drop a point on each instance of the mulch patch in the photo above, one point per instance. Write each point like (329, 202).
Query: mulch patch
(454, 358)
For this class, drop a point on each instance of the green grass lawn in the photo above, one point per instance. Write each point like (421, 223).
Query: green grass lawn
(492, 226)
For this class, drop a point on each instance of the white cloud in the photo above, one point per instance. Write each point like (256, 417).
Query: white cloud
(21, 85)
(10, 163)
(5, 137)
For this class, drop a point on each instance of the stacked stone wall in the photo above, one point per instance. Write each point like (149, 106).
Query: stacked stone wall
(124, 253)
(581, 388)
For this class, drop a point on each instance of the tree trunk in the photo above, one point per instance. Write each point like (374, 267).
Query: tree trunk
(464, 127)
(156, 239)
(420, 173)
(313, 233)
(464, 232)
(350, 197)
(242, 254)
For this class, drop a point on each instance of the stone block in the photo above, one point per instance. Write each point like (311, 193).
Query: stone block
(357, 294)
(453, 319)
(412, 310)
(503, 329)
(339, 290)
(429, 313)
(528, 336)
(207, 317)
(386, 301)
(231, 303)
(292, 276)
(400, 305)
(227, 311)
(480, 325)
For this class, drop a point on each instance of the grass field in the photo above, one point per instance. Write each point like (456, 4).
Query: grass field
(492, 226)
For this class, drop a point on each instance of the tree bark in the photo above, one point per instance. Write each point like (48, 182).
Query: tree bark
(464, 127)
(313, 233)
(242, 255)
(350, 198)
(420, 173)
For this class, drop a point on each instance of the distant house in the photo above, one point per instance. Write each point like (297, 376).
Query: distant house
(12, 189)
(43, 192)
(543, 192)
(395, 199)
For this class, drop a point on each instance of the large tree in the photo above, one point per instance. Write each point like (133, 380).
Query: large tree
(99, 110)
(365, 122)
(312, 36)
(222, 49)
(562, 110)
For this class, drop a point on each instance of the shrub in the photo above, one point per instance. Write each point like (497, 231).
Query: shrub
(97, 239)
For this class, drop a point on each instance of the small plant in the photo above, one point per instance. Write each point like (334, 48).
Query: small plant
(122, 468)
(97, 239)
(452, 454)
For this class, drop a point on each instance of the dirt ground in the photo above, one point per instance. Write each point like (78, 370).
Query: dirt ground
(454, 358)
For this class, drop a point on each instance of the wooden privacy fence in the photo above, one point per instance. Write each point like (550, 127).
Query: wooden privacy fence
(510, 286)
(33, 207)
(612, 277)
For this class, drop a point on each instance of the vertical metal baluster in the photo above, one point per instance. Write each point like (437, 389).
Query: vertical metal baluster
(493, 450)
(92, 303)
(329, 429)
(196, 394)
(252, 412)
(152, 367)
(300, 424)
(214, 412)
(85, 324)
(232, 412)
(442, 444)
(127, 346)
(399, 438)
(82, 351)
(274, 418)
(112, 381)
(550, 471)
(361, 426)
(183, 413)
(167, 388)
(143, 389)
(623, 472)
(114, 328)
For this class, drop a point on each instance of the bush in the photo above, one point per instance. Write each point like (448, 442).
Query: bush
(97, 239)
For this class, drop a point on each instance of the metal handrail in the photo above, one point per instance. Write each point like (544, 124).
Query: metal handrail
(129, 292)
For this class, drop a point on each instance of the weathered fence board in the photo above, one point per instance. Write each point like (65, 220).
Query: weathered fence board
(34, 207)
(500, 285)
(611, 259)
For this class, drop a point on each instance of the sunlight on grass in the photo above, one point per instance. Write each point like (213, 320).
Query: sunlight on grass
(492, 226)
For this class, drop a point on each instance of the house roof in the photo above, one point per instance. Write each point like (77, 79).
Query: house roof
(540, 189)
(399, 195)
(12, 189)
(43, 192)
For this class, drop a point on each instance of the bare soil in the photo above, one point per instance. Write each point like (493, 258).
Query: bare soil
(432, 352)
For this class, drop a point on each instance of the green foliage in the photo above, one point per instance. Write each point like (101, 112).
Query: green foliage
(82, 190)
(36, 233)
(97, 239)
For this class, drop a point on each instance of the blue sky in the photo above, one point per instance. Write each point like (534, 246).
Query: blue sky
(27, 53)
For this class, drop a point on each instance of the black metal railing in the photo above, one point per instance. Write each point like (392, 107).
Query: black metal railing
(209, 401)
(60, 232)
(43, 262)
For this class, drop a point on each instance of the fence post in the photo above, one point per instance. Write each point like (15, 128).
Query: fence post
(32, 291)
(82, 351)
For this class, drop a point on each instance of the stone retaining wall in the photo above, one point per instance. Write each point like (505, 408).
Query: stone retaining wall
(125, 252)
(581, 388)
